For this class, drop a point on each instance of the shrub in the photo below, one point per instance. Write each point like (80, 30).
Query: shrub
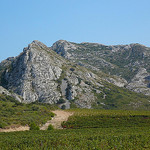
(50, 127)
(72, 69)
(61, 101)
(2, 124)
(35, 108)
(63, 107)
(52, 114)
(33, 126)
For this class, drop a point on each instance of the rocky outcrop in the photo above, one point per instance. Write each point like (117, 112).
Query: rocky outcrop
(14, 95)
(141, 82)
(118, 81)
(33, 74)
(6, 62)
(62, 47)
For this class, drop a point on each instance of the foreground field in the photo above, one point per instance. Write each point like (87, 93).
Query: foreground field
(79, 139)
(92, 130)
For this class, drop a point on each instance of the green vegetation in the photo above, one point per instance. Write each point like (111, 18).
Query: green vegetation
(133, 134)
(61, 101)
(113, 97)
(13, 112)
(50, 127)
(63, 107)
(33, 126)
(84, 118)
(81, 139)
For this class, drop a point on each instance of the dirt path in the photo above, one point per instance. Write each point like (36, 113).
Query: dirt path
(13, 129)
(57, 120)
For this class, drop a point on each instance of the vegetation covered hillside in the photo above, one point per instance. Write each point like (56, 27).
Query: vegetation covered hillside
(14, 113)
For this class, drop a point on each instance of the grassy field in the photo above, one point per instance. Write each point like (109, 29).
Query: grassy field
(87, 130)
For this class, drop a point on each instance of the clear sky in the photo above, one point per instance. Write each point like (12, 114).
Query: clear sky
(103, 21)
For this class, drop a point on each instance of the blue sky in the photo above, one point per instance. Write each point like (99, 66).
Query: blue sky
(103, 21)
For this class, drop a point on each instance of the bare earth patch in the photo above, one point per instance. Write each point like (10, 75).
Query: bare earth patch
(17, 128)
(57, 120)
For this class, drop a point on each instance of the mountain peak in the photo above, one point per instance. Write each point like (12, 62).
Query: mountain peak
(36, 44)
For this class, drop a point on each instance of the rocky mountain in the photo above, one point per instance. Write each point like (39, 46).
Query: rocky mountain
(125, 61)
(40, 74)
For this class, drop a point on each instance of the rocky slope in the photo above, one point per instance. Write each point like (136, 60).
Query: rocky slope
(11, 94)
(40, 74)
(141, 82)
(123, 61)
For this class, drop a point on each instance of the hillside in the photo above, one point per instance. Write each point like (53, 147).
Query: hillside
(131, 62)
(15, 114)
(39, 74)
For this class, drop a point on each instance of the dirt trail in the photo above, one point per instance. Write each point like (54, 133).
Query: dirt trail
(13, 129)
(57, 120)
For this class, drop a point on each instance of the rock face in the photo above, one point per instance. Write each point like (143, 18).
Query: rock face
(141, 82)
(62, 47)
(33, 74)
(121, 61)
(14, 95)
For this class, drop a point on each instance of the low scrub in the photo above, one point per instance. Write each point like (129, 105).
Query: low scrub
(14, 112)
(50, 127)
(33, 126)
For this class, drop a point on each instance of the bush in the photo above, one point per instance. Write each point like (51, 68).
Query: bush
(61, 101)
(2, 124)
(50, 127)
(72, 69)
(33, 126)
(52, 114)
(35, 108)
(63, 107)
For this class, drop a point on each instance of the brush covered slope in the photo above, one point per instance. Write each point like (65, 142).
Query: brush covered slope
(131, 62)
(15, 114)
(40, 74)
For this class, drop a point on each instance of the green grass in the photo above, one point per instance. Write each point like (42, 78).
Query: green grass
(13, 112)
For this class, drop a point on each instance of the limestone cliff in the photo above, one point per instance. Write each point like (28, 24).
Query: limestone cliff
(33, 74)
